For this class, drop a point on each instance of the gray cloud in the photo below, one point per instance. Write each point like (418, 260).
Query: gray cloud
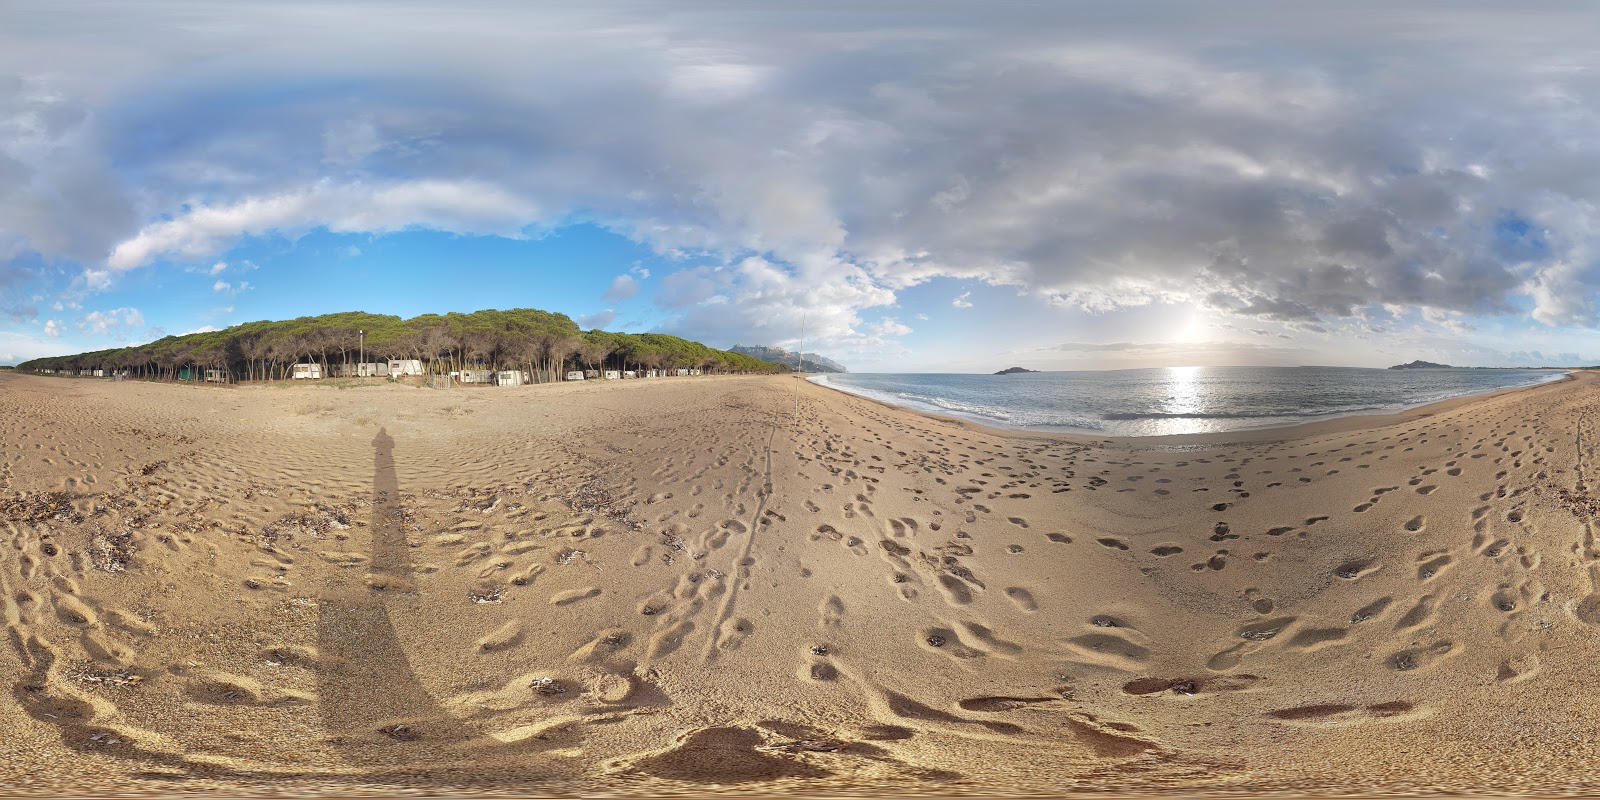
(599, 319)
(1285, 162)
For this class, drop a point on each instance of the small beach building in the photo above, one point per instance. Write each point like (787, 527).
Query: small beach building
(302, 372)
(477, 376)
(404, 366)
(575, 375)
(216, 376)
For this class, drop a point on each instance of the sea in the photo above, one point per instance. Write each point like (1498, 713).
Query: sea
(1175, 400)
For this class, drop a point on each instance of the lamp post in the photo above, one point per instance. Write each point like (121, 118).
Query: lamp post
(361, 355)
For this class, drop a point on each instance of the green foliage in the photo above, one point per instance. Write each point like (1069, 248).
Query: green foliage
(520, 337)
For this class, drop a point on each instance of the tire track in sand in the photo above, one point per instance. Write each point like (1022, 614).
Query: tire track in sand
(741, 567)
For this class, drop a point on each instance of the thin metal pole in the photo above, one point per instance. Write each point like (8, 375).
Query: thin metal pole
(797, 378)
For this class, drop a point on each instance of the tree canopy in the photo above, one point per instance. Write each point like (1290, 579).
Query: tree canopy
(542, 342)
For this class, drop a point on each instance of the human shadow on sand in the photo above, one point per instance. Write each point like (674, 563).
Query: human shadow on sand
(373, 707)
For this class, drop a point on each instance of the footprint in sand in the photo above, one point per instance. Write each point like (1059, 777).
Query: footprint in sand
(571, 596)
(1022, 598)
(1419, 614)
(733, 633)
(1421, 658)
(1370, 610)
(507, 635)
(831, 612)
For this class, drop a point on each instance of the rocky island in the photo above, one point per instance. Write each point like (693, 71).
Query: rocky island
(1014, 371)
(1421, 365)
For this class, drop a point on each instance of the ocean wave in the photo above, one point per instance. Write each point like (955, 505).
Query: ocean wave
(1268, 414)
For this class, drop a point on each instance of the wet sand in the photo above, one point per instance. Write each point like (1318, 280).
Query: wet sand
(681, 587)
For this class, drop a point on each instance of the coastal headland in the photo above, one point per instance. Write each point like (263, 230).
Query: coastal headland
(760, 585)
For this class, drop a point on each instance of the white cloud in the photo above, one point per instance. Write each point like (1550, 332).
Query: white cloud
(961, 301)
(622, 288)
(117, 322)
(468, 207)
(97, 279)
(922, 317)
(52, 328)
(221, 286)
(219, 267)
(888, 326)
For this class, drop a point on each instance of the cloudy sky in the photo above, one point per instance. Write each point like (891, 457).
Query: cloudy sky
(921, 186)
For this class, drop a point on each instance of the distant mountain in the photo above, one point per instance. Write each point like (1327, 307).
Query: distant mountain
(1421, 365)
(1014, 371)
(803, 362)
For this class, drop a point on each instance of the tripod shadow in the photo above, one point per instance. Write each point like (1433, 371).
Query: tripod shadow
(370, 699)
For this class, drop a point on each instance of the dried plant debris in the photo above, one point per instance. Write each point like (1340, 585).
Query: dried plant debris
(547, 686)
(1582, 506)
(35, 507)
(808, 746)
(111, 550)
(591, 498)
(317, 524)
(400, 733)
(104, 677)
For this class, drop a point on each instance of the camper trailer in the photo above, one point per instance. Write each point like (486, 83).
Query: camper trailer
(694, 372)
(652, 373)
(99, 373)
(365, 369)
(682, 373)
(511, 377)
(591, 374)
(306, 372)
(216, 376)
(575, 375)
(613, 375)
(404, 366)
(476, 376)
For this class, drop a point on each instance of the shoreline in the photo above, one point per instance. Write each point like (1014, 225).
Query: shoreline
(1343, 423)
(1212, 437)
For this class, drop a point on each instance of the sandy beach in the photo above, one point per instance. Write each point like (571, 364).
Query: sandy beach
(734, 585)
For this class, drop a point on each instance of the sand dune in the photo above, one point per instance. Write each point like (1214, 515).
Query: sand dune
(680, 585)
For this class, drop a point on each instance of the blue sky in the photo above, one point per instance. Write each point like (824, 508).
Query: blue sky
(921, 186)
